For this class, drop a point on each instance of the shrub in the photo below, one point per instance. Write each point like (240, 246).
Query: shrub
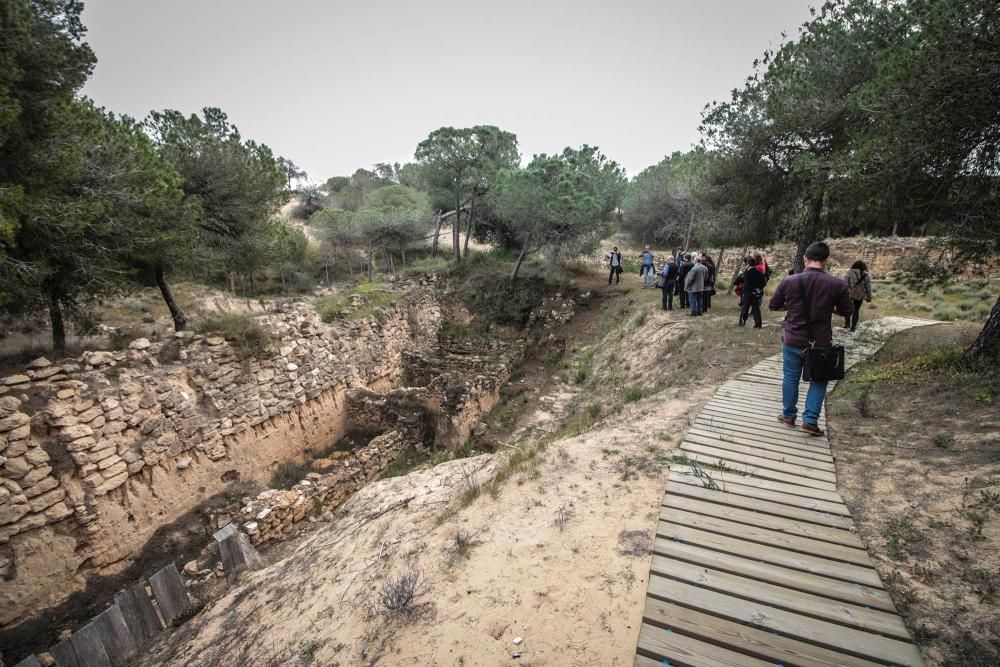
(241, 330)
(634, 393)
(287, 474)
(398, 593)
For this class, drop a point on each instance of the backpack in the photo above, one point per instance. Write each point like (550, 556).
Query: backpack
(858, 291)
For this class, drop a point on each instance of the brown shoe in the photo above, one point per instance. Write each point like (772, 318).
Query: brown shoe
(786, 421)
(812, 429)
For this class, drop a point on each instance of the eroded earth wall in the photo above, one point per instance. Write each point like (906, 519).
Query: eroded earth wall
(97, 453)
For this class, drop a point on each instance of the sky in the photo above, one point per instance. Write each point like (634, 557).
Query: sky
(336, 85)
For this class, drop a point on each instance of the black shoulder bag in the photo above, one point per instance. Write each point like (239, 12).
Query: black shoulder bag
(820, 363)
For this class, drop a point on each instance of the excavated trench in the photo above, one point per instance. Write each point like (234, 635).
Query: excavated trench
(431, 403)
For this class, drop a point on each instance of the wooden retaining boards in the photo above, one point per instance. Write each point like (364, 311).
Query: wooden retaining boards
(756, 560)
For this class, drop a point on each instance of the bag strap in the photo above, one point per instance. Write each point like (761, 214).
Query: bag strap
(805, 305)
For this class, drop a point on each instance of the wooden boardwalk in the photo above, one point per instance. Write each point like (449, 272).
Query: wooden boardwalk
(756, 560)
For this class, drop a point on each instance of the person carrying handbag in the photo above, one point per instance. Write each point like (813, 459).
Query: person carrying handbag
(810, 299)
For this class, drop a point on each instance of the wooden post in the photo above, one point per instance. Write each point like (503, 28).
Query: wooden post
(115, 635)
(64, 654)
(139, 613)
(89, 649)
(170, 593)
(236, 551)
(30, 661)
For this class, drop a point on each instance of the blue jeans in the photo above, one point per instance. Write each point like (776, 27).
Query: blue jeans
(648, 275)
(791, 359)
(694, 298)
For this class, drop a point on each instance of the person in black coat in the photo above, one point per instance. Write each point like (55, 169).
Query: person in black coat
(682, 272)
(753, 290)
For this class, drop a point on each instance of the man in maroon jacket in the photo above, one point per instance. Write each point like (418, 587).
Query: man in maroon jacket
(825, 294)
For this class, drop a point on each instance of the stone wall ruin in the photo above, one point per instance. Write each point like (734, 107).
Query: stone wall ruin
(97, 453)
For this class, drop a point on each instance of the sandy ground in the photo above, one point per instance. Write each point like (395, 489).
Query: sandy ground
(545, 559)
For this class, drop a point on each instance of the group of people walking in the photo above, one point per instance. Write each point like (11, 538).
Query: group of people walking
(688, 276)
(809, 300)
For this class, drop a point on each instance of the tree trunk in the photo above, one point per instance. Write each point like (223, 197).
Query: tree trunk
(687, 239)
(350, 266)
(718, 262)
(736, 273)
(437, 233)
(402, 253)
(472, 224)
(987, 343)
(520, 258)
(809, 230)
(178, 316)
(456, 231)
(58, 326)
(370, 261)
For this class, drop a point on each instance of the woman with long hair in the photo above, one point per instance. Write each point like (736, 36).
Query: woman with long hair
(859, 284)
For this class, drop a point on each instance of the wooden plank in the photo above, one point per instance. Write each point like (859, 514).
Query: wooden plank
(761, 506)
(759, 643)
(139, 613)
(778, 433)
(677, 649)
(89, 649)
(30, 661)
(820, 449)
(765, 494)
(818, 455)
(171, 596)
(774, 538)
(115, 635)
(850, 615)
(790, 437)
(765, 553)
(769, 485)
(739, 468)
(774, 574)
(63, 654)
(745, 409)
(752, 463)
(761, 520)
(773, 452)
(811, 630)
(765, 422)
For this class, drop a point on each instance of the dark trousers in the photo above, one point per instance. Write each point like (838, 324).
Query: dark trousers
(684, 297)
(706, 299)
(750, 304)
(616, 274)
(852, 321)
(668, 296)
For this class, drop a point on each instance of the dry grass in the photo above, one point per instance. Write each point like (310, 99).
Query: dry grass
(917, 438)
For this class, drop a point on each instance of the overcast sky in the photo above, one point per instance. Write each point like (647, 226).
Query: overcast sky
(338, 85)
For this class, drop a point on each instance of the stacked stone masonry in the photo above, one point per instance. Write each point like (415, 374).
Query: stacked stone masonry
(96, 453)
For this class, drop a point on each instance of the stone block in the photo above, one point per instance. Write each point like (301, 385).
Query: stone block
(19, 433)
(171, 596)
(13, 421)
(110, 461)
(16, 467)
(57, 512)
(13, 380)
(41, 487)
(10, 512)
(36, 456)
(36, 475)
(16, 448)
(46, 500)
(73, 432)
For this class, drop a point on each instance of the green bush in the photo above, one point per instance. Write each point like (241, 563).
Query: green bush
(943, 313)
(634, 393)
(288, 473)
(241, 330)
